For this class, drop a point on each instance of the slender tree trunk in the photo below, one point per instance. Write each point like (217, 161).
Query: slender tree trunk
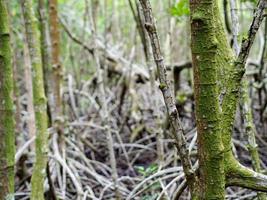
(57, 73)
(56, 66)
(16, 89)
(7, 142)
(250, 130)
(33, 42)
(46, 58)
(57, 78)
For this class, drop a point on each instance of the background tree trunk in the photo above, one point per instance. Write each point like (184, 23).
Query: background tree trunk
(46, 58)
(39, 100)
(7, 142)
(56, 66)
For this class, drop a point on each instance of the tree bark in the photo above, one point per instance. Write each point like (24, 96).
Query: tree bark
(207, 49)
(214, 61)
(40, 107)
(7, 135)
(46, 58)
(56, 66)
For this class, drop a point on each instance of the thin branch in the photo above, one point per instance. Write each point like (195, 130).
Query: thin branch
(20, 151)
(137, 19)
(180, 190)
(178, 131)
(159, 173)
(75, 39)
(254, 27)
(164, 190)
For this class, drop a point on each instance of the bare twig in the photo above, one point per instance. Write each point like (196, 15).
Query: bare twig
(254, 27)
(180, 190)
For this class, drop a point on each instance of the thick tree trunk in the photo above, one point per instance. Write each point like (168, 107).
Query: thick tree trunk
(218, 77)
(207, 58)
(7, 142)
(33, 42)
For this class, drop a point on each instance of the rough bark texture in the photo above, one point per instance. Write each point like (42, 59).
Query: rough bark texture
(207, 53)
(218, 78)
(33, 42)
(7, 143)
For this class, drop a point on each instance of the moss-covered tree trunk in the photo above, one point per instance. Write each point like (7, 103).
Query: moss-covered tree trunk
(217, 83)
(206, 56)
(39, 99)
(7, 143)
(217, 77)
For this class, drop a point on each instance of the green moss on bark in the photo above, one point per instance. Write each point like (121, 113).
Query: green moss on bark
(7, 142)
(207, 47)
(39, 100)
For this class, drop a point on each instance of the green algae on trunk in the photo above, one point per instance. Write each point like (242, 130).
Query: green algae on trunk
(39, 99)
(207, 46)
(7, 142)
